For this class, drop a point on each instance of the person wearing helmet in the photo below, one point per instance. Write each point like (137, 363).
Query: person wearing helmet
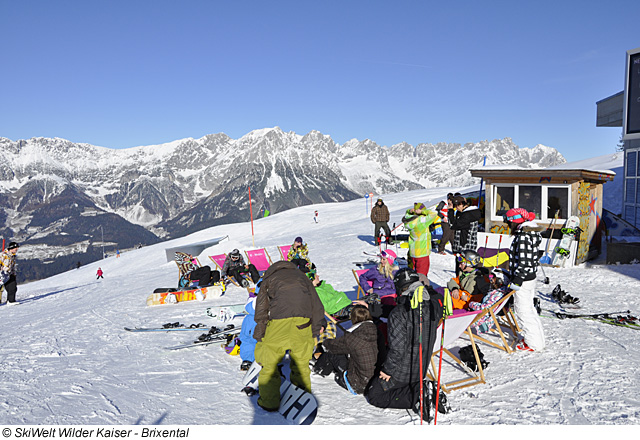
(398, 383)
(8, 268)
(523, 262)
(471, 284)
(234, 266)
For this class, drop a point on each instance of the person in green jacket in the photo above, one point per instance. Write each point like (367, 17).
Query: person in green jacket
(417, 221)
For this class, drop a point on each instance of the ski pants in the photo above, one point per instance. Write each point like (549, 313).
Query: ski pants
(237, 272)
(11, 286)
(402, 396)
(528, 319)
(421, 265)
(282, 335)
(385, 228)
(447, 236)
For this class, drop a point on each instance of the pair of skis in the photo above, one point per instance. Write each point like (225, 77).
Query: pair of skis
(214, 336)
(620, 319)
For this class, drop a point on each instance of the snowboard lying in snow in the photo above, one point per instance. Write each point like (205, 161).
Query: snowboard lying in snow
(296, 405)
(201, 294)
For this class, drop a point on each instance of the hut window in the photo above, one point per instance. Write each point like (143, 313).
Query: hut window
(543, 200)
(530, 198)
(631, 163)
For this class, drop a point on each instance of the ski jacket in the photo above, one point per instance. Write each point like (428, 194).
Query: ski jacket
(379, 213)
(8, 262)
(419, 234)
(382, 286)
(360, 344)
(332, 300)
(230, 264)
(286, 292)
(475, 282)
(465, 227)
(523, 253)
(403, 362)
(302, 253)
(247, 342)
(443, 211)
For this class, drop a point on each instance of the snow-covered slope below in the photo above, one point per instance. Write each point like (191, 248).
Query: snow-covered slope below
(67, 360)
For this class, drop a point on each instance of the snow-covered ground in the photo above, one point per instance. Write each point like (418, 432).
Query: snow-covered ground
(66, 360)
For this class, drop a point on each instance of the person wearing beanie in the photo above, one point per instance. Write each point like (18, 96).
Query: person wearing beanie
(8, 269)
(299, 255)
(397, 385)
(523, 262)
(417, 221)
(380, 220)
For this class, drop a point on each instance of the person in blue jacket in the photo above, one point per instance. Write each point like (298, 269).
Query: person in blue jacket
(247, 343)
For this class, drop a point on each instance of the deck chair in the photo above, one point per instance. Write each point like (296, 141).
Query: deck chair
(284, 252)
(356, 275)
(508, 321)
(260, 259)
(218, 260)
(456, 325)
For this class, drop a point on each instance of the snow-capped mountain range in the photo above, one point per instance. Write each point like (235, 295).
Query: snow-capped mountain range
(169, 190)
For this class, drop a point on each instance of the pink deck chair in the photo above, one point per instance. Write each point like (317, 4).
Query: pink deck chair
(284, 252)
(218, 260)
(356, 274)
(260, 259)
(455, 326)
(499, 322)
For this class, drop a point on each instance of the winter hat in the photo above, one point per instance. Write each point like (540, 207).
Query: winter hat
(419, 205)
(390, 258)
(234, 254)
(13, 245)
(457, 200)
(298, 240)
(519, 215)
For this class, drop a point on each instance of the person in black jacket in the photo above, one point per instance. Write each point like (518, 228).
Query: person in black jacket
(465, 227)
(398, 382)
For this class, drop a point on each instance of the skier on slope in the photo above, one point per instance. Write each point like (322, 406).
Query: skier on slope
(8, 269)
(523, 264)
(380, 220)
(99, 274)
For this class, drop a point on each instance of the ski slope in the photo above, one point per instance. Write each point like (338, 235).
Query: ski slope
(67, 360)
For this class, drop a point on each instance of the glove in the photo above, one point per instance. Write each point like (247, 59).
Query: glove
(513, 286)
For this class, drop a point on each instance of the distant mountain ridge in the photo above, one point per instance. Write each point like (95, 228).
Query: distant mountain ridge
(176, 188)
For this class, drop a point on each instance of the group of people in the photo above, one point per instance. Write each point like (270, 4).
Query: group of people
(378, 356)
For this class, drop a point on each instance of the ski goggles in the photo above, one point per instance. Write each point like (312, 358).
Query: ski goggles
(510, 218)
(461, 259)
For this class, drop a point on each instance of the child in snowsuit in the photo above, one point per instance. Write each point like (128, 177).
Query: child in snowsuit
(99, 274)
(247, 342)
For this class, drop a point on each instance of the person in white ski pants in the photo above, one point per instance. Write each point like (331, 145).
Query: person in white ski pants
(528, 319)
(523, 263)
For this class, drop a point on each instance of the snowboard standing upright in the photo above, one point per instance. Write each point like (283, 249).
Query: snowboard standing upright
(569, 233)
(296, 405)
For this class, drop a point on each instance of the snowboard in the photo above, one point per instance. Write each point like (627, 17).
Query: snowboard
(160, 298)
(296, 405)
(569, 233)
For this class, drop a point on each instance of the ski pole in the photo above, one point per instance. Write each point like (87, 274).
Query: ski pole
(435, 420)
(420, 354)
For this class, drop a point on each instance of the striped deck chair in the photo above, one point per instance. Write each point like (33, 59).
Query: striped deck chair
(218, 260)
(508, 321)
(356, 275)
(260, 259)
(284, 252)
(456, 325)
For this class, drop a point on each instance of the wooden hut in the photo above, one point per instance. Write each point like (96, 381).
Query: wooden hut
(553, 194)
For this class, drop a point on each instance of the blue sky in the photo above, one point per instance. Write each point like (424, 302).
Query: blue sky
(125, 73)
